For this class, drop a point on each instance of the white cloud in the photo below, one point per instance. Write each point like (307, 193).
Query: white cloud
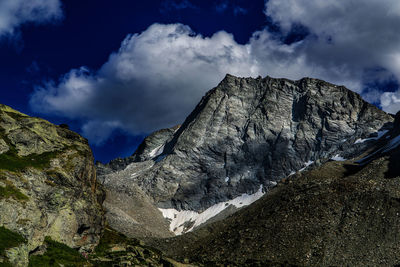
(14, 13)
(390, 102)
(158, 76)
(153, 81)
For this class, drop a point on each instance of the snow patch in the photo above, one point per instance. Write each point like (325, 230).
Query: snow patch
(187, 217)
(156, 151)
(360, 141)
(380, 134)
(338, 158)
(308, 163)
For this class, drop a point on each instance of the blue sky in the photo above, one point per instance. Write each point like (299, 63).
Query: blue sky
(117, 71)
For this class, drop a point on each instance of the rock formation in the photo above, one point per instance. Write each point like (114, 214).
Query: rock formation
(245, 133)
(48, 186)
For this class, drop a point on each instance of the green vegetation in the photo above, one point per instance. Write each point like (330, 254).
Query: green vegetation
(11, 191)
(116, 248)
(16, 115)
(11, 161)
(8, 239)
(57, 254)
(111, 237)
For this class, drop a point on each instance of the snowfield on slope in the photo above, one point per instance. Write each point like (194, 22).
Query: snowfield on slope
(380, 134)
(178, 219)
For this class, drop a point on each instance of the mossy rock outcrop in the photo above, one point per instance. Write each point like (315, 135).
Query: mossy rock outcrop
(47, 186)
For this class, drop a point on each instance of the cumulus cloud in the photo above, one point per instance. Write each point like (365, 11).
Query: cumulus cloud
(390, 101)
(14, 13)
(158, 76)
(153, 81)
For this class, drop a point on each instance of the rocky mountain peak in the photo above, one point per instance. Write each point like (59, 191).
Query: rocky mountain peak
(339, 213)
(246, 133)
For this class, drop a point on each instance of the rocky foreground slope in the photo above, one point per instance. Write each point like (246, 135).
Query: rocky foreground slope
(51, 210)
(47, 185)
(244, 136)
(343, 213)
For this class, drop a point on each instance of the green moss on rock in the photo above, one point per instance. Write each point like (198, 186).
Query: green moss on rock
(57, 254)
(8, 239)
(115, 249)
(10, 191)
(11, 161)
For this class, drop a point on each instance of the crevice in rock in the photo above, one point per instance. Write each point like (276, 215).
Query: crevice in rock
(82, 229)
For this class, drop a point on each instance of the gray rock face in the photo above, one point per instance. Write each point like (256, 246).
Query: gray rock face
(249, 132)
(153, 145)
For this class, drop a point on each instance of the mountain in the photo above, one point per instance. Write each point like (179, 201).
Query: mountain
(243, 137)
(315, 164)
(48, 186)
(342, 213)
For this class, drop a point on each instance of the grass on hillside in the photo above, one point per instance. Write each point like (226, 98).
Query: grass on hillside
(11, 191)
(57, 254)
(8, 239)
(11, 161)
